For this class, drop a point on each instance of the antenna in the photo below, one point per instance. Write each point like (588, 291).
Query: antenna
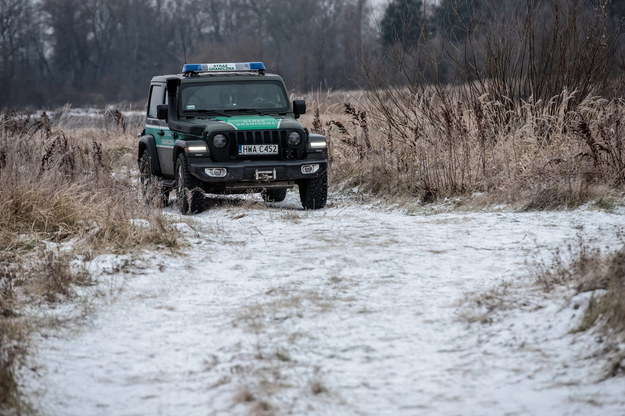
(184, 50)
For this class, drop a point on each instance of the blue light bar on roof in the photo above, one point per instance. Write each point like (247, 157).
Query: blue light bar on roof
(239, 66)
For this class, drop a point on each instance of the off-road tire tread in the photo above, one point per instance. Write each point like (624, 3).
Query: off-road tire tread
(313, 193)
(191, 199)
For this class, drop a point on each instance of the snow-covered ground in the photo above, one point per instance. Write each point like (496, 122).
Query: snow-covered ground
(355, 309)
(94, 117)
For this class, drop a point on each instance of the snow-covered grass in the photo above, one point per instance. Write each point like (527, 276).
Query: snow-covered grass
(357, 309)
(360, 308)
(595, 272)
(65, 193)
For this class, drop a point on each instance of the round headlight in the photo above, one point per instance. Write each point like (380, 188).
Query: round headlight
(294, 138)
(220, 141)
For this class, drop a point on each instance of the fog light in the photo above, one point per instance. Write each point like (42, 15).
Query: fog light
(216, 172)
(308, 169)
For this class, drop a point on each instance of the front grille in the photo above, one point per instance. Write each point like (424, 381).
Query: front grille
(258, 137)
(279, 137)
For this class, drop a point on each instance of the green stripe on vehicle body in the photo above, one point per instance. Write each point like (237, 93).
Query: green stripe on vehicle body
(169, 138)
(251, 122)
(164, 140)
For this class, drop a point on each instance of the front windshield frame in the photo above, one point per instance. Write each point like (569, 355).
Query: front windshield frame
(216, 98)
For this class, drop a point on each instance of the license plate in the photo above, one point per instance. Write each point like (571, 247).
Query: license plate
(258, 149)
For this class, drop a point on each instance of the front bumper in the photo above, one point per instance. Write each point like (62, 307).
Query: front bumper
(248, 171)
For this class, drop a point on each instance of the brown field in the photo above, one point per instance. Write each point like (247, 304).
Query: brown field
(76, 187)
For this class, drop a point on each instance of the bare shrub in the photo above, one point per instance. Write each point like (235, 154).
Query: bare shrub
(433, 143)
(574, 265)
(532, 50)
(50, 276)
(484, 305)
(522, 119)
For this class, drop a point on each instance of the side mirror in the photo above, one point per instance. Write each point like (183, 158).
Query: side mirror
(161, 111)
(299, 108)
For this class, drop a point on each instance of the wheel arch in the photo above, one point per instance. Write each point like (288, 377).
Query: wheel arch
(147, 143)
(178, 149)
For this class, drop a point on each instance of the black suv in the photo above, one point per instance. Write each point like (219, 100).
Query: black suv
(228, 128)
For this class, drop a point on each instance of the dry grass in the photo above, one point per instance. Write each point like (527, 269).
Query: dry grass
(579, 272)
(604, 275)
(615, 298)
(480, 307)
(13, 339)
(72, 187)
(591, 270)
(605, 272)
(58, 184)
(438, 142)
(270, 368)
(581, 268)
(66, 193)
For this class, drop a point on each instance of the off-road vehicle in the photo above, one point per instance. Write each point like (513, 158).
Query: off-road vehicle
(228, 128)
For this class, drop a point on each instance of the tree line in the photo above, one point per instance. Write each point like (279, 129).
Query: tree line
(101, 51)
(529, 50)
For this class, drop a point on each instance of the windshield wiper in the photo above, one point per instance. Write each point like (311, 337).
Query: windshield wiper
(276, 113)
(207, 112)
(244, 110)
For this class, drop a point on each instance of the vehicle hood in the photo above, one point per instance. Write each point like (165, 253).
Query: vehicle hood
(237, 123)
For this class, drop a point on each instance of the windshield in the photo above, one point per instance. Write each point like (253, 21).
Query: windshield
(233, 96)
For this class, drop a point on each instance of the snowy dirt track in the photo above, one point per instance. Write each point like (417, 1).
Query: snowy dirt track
(350, 310)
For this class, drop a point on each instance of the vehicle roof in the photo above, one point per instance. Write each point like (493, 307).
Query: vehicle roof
(219, 76)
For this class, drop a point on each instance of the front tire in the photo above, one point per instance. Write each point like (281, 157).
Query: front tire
(189, 195)
(313, 193)
(274, 195)
(151, 191)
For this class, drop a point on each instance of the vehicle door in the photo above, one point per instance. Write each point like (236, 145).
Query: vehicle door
(159, 129)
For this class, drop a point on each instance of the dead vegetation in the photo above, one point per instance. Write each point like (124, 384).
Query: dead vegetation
(595, 282)
(13, 339)
(590, 269)
(267, 371)
(61, 184)
(538, 127)
(603, 276)
(435, 143)
(67, 194)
